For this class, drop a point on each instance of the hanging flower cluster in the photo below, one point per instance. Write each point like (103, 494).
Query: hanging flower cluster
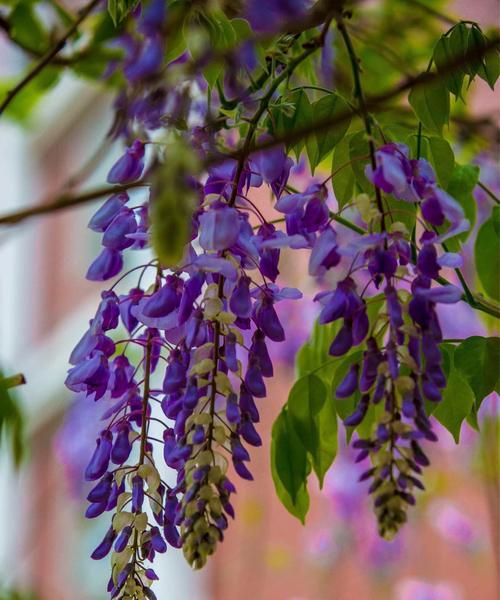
(401, 364)
(193, 325)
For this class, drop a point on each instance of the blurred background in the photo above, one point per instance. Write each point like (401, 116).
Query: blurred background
(447, 550)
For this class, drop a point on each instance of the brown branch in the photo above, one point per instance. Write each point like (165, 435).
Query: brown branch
(65, 201)
(48, 57)
(371, 102)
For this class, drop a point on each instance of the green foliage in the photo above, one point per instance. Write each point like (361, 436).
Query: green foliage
(472, 373)
(26, 28)
(463, 180)
(456, 404)
(431, 103)
(11, 418)
(477, 359)
(309, 418)
(452, 48)
(294, 113)
(488, 67)
(322, 143)
(21, 109)
(343, 178)
(174, 203)
(313, 356)
(289, 466)
(314, 420)
(438, 152)
(120, 9)
(487, 253)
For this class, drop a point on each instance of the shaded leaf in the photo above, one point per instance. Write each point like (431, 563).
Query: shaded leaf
(442, 158)
(173, 202)
(431, 103)
(315, 421)
(487, 253)
(458, 399)
(322, 143)
(11, 419)
(343, 179)
(477, 359)
(451, 48)
(289, 466)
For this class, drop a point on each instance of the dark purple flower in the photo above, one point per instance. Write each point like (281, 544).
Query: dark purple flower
(137, 494)
(253, 379)
(123, 538)
(102, 490)
(100, 459)
(266, 319)
(122, 446)
(108, 211)
(240, 302)
(324, 254)
(259, 349)
(358, 415)
(105, 546)
(146, 61)
(128, 167)
(116, 236)
(219, 227)
(349, 384)
(108, 264)
(343, 341)
(164, 301)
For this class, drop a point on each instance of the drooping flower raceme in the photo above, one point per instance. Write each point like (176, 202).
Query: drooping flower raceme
(400, 367)
(191, 328)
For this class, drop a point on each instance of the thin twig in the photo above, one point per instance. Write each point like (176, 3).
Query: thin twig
(66, 201)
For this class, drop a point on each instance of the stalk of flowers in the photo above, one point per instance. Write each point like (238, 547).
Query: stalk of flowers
(193, 320)
(401, 363)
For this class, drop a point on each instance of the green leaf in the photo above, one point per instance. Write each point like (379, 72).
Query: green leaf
(358, 148)
(173, 202)
(442, 159)
(475, 41)
(490, 70)
(120, 9)
(11, 419)
(322, 143)
(289, 466)
(486, 254)
(477, 360)
(449, 49)
(431, 103)
(21, 108)
(314, 356)
(27, 29)
(296, 114)
(315, 421)
(487, 67)
(461, 186)
(402, 211)
(343, 178)
(457, 402)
